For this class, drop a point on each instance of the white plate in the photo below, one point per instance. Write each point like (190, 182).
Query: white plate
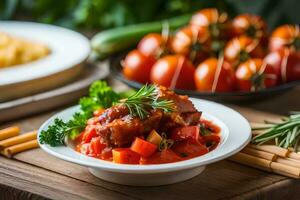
(235, 133)
(68, 48)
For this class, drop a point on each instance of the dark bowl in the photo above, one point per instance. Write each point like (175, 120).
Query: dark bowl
(236, 96)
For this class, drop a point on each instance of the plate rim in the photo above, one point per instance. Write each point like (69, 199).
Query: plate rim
(46, 27)
(160, 168)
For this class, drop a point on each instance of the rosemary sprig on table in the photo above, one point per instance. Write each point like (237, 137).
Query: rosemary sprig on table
(285, 133)
(144, 100)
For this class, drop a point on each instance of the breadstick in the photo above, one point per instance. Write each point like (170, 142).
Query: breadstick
(294, 155)
(260, 154)
(252, 161)
(10, 151)
(287, 161)
(271, 149)
(9, 132)
(284, 169)
(18, 139)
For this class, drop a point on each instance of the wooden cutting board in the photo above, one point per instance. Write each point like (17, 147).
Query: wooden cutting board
(39, 173)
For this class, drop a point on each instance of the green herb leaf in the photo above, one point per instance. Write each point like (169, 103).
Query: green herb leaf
(100, 96)
(145, 99)
(285, 134)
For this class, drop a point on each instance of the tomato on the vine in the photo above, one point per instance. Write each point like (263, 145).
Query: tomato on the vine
(285, 63)
(206, 77)
(248, 24)
(173, 71)
(152, 44)
(285, 36)
(241, 48)
(212, 20)
(254, 74)
(190, 41)
(137, 66)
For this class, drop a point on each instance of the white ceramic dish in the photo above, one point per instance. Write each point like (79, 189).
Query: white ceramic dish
(68, 49)
(235, 133)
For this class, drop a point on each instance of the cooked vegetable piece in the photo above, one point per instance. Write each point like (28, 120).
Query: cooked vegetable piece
(143, 147)
(160, 157)
(125, 156)
(89, 133)
(186, 132)
(96, 146)
(154, 137)
(189, 149)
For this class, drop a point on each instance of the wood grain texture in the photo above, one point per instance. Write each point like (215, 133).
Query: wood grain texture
(50, 184)
(222, 180)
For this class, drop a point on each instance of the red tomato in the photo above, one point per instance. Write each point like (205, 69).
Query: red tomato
(96, 147)
(89, 133)
(173, 71)
(137, 66)
(186, 132)
(106, 154)
(84, 148)
(151, 45)
(206, 73)
(160, 157)
(143, 147)
(251, 76)
(285, 36)
(211, 20)
(241, 48)
(189, 149)
(189, 39)
(248, 24)
(286, 64)
(125, 156)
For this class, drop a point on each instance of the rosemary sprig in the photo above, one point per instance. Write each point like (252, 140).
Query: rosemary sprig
(140, 103)
(285, 133)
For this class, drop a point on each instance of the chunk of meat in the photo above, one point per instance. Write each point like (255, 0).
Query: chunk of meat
(121, 132)
(118, 129)
(182, 102)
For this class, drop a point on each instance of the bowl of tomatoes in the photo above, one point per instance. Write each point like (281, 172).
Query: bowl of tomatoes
(216, 57)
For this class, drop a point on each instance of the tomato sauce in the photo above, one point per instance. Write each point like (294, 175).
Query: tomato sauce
(184, 143)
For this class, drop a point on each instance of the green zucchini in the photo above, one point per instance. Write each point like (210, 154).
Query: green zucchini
(115, 40)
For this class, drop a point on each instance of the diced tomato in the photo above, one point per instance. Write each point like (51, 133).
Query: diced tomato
(189, 149)
(106, 154)
(184, 133)
(89, 133)
(93, 121)
(143, 147)
(85, 148)
(96, 147)
(125, 156)
(165, 156)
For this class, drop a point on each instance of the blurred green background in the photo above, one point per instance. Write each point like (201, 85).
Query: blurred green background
(103, 14)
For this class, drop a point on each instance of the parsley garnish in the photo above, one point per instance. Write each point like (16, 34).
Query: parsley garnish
(100, 96)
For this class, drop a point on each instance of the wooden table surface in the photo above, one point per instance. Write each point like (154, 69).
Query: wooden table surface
(37, 175)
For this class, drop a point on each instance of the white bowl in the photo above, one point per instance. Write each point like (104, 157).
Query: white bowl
(235, 134)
